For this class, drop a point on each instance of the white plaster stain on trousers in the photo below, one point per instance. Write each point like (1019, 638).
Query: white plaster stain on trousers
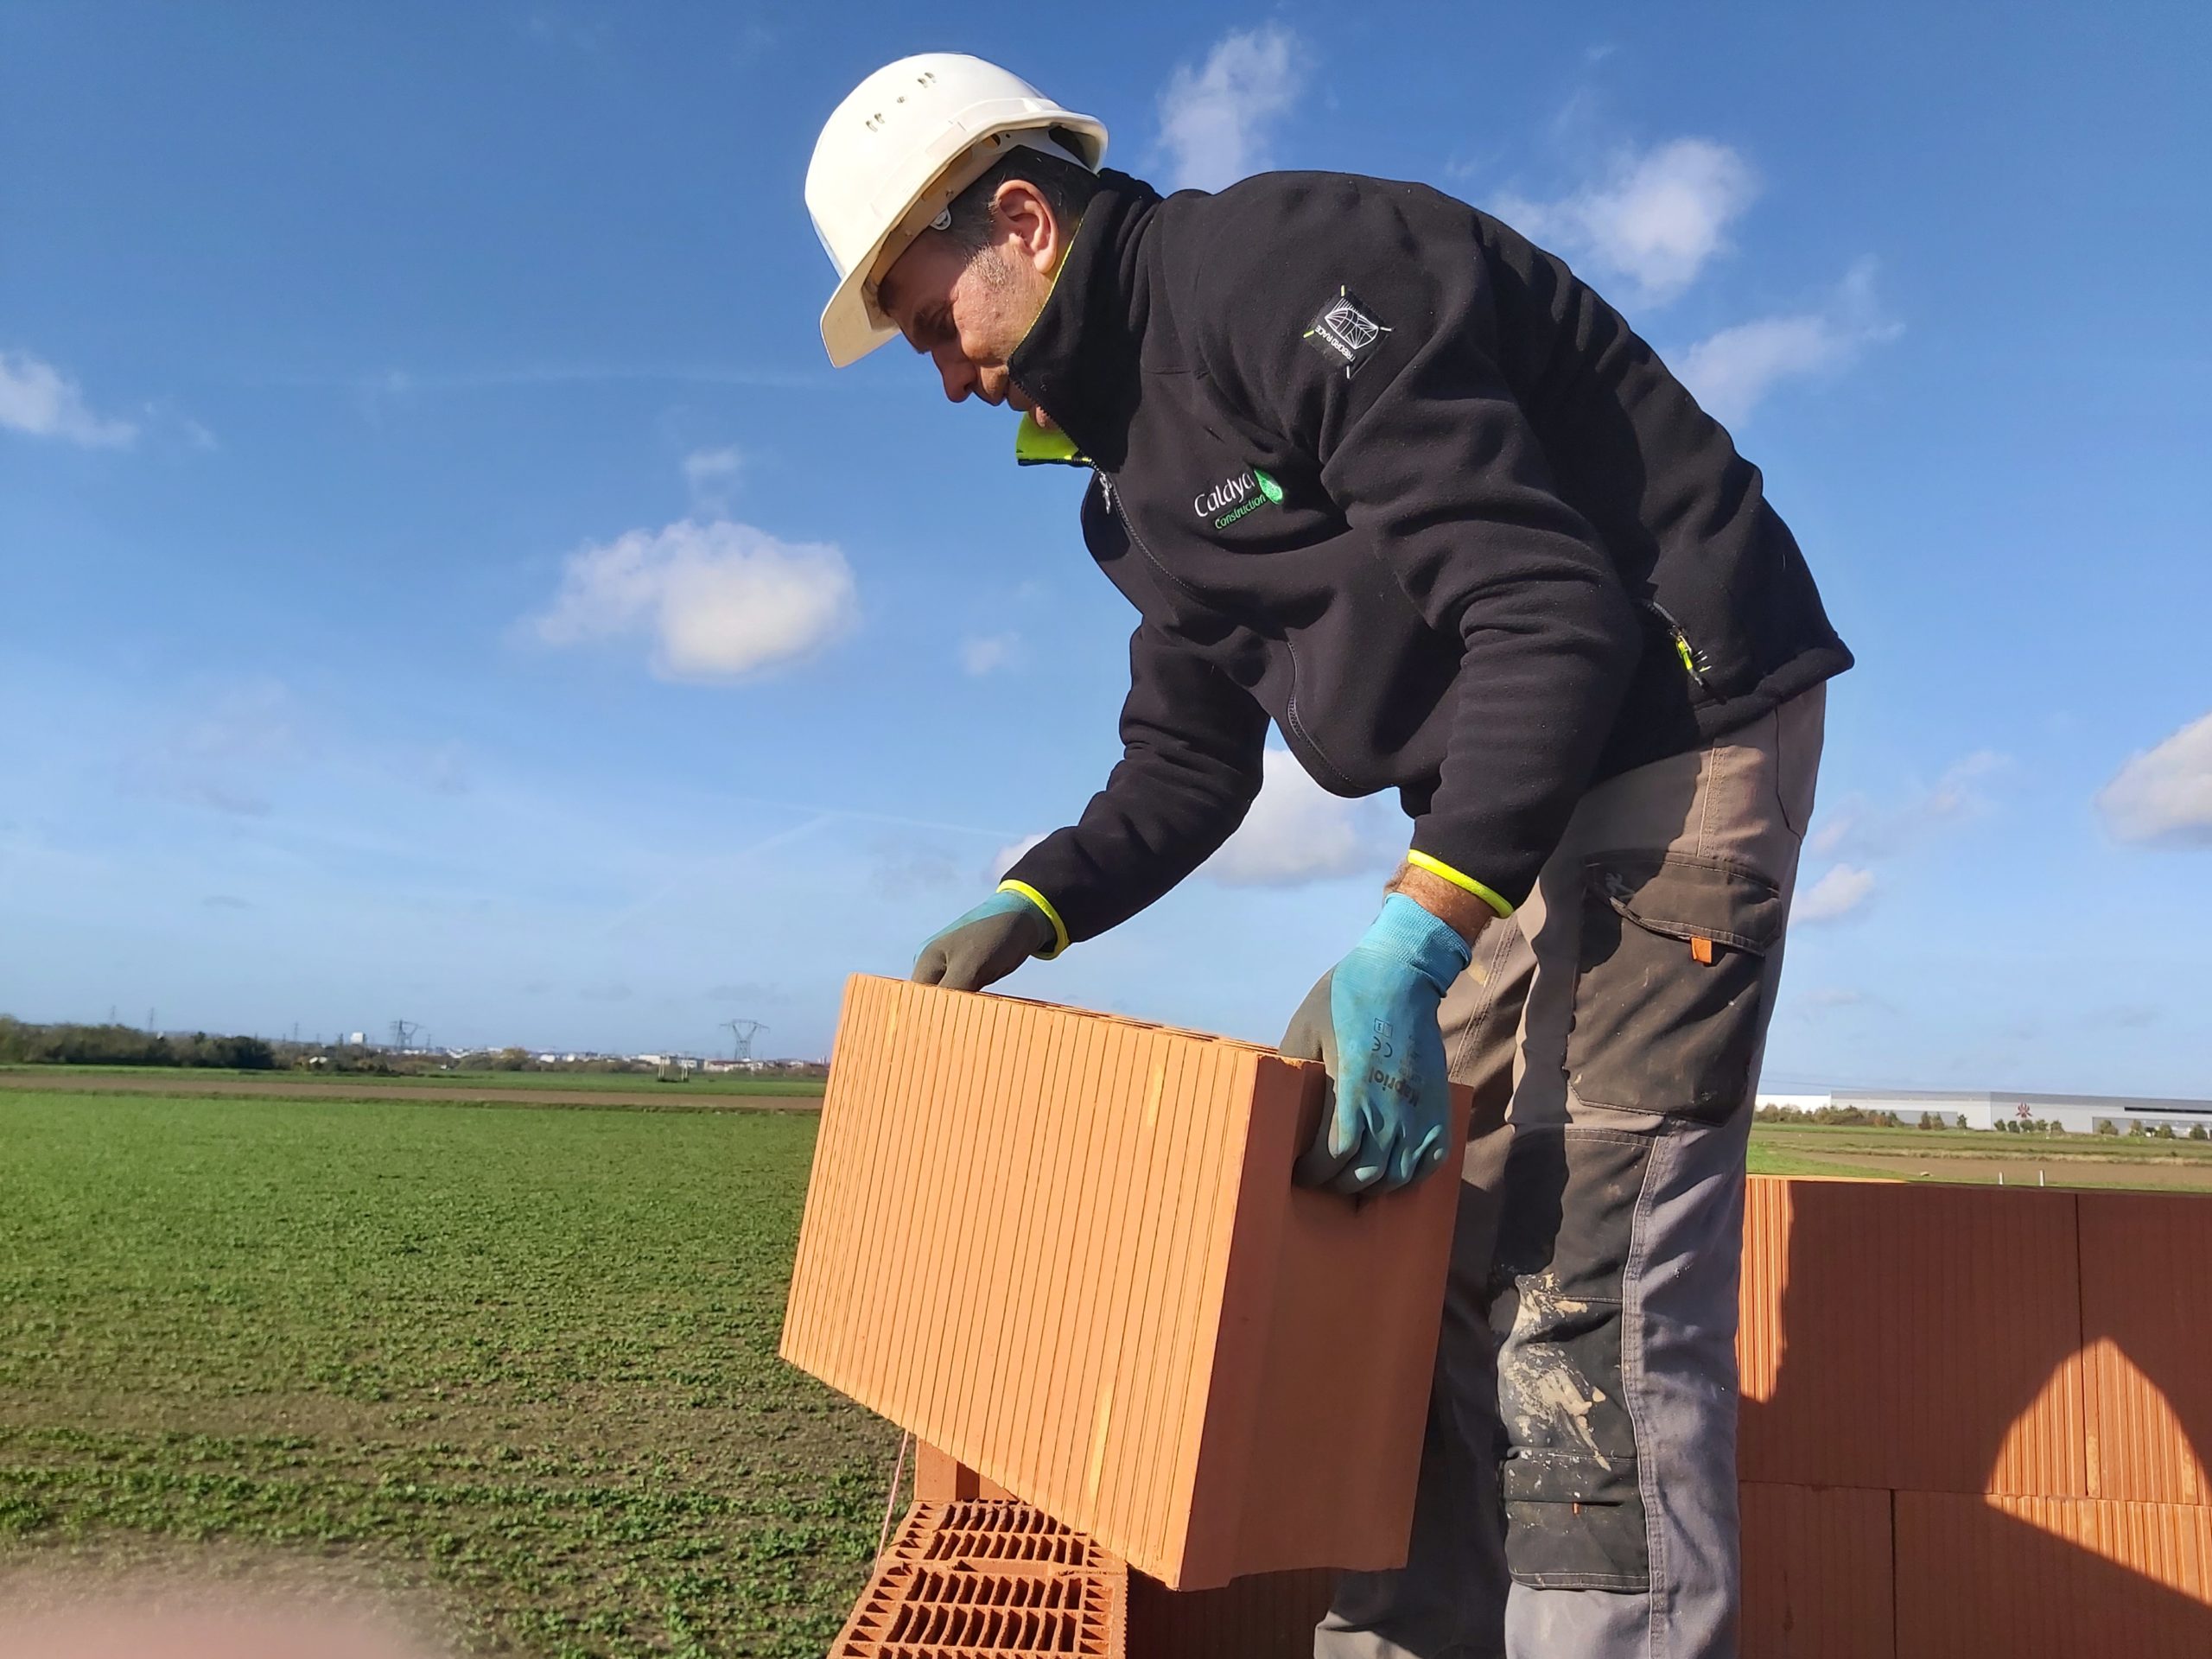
(1541, 1388)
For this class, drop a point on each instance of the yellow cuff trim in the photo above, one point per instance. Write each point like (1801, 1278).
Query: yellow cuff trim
(1059, 927)
(1437, 866)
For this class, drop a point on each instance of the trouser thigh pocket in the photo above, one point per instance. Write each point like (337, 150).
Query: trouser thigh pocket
(1670, 988)
(1574, 1516)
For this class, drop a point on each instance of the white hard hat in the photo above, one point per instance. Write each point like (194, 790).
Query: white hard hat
(895, 154)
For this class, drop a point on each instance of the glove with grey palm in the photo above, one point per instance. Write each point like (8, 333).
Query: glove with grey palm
(1388, 1120)
(989, 942)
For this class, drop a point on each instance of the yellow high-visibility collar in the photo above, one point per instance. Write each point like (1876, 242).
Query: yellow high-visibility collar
(1038, 446)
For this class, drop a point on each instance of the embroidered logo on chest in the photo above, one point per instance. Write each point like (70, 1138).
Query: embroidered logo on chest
(1344, 331)
(1230, 500)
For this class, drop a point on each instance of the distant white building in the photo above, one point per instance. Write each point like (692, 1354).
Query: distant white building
(2075, 1114)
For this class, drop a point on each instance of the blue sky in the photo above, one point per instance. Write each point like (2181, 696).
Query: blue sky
(443, 579)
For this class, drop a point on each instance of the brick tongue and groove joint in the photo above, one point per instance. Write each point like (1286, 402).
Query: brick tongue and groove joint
(1066, 1249)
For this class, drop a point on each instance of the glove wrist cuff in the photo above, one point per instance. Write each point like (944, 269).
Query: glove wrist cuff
(1059, 928)
(1428, 944)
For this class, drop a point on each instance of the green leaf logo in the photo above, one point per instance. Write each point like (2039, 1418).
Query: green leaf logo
(1268, 487)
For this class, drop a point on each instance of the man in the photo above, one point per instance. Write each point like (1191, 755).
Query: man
(1371, 467)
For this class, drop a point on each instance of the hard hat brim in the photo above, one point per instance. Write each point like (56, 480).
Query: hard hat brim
(852, 327)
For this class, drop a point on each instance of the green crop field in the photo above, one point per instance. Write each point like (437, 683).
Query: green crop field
(1981, 1157)
(516, 1366)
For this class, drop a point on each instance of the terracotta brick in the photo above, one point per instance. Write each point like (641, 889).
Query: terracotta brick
(1816, 1574)
(1066, 1249)
(1270, 1616)
(996, 1578)
(942, 1477)
(1000, 1532)
(1263, 1616)
(2049, 1577)
(1915, 1337)
(2149, 1359)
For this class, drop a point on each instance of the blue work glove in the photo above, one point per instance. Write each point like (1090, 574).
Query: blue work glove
(987, 943)
(1392, 1115)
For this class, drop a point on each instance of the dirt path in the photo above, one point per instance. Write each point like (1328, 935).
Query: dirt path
(669, 1097)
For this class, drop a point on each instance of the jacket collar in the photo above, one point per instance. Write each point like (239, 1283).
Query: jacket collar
(1079, 360)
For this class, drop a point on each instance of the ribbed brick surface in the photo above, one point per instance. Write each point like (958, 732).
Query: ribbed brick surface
(1066, 1249)
(1922, 1338)
(2149, 1360)
(1817, 1582)
(2041, 1578)
(966, 1579)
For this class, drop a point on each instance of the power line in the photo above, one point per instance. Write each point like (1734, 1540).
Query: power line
(741, 1033)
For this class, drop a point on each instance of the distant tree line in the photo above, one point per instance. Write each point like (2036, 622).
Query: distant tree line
(1856, 1117)
(1848, 1117)
(2141, 1131)
(22, 1043)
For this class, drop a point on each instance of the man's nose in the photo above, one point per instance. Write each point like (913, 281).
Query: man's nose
(959, 374)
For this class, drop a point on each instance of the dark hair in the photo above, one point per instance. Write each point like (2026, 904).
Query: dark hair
(1067, 189)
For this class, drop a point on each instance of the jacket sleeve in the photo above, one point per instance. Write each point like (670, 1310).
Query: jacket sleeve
(1422, 446)
(1190, 767)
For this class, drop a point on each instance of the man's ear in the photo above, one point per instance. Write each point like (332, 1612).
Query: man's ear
(1023, 215)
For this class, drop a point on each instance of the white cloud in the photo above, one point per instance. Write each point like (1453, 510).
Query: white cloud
(718, 601)
(711, 475)
(1836, 895)
(37, 398)
(899, 866)
(1834, 996)
(1730, 372)
(2165, 794)
(981, 654)
(1861, 829)
(223, 753)
(1007, 857)
(1215, 120)
(1656, 220)
(1297, 832)
(1954, 795)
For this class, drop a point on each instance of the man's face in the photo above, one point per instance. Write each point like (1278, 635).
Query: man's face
(966, 309)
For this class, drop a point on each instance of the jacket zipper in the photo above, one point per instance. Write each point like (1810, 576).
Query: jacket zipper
(1129, 529)
(1292, 727)
(1694, 660)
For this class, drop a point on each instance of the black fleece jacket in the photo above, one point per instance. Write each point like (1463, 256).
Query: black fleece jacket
(1373, 466)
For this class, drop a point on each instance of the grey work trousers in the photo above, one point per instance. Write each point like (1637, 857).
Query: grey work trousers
(1578, 1481)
